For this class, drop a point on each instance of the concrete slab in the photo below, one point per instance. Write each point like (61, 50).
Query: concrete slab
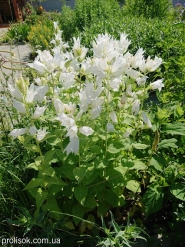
(13, 59)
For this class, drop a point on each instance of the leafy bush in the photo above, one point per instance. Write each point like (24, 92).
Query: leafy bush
(17, 32)
(41, 35)
(161, 37)
(84, 124)
(85, 14)
(148, 8)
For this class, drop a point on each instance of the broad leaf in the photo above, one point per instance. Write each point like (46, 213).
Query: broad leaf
(90, 202)
(31, 147)
(153, 199)
(40, 197)
(178, 190)
(139, 146)
(79, 173)
(35, 182)
(133, 185)
(115, 147)
(155, 164)
(174, 128)
(111, 198)
(80, 194)
(168, 143)
(103, 208)
(78, 211)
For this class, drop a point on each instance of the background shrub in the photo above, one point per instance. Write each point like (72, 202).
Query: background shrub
(148, 8)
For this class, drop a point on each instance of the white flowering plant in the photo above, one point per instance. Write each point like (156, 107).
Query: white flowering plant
(83, 119)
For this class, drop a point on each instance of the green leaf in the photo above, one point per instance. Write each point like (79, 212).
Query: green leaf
(70, 225)
(35, 182)
(67, 170)
(162, 113)
(115, 147)
(80, 194)
(32, 147)
(136, 164)
(49, 156)
(54, 141)
(155, 164)
(139, 146)
(168, 143)
(91, 220)
(79, 173)
(48, 181)
(133, 185)
(90, 202)
(52, 206)
(78, 211)
(174, 128)
(178, 190)
(111, 198)
(153, 199)
(40, 197)
(48, 171)
(103, 208)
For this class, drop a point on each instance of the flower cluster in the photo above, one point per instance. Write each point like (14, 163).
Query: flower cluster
(81, 92)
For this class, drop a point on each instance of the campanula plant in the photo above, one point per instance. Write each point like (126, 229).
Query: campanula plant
(83, 119)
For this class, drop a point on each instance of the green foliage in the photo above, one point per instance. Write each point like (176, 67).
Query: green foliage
(67, 22)
(148, 8)
(17, 32)
(85, 14)
(41, 35)
(120, 235)
(140, 176)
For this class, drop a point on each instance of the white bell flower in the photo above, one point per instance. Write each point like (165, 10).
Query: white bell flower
(136, 106)
(32, 130)
(157, 84)
(19, 106)
(73, 146)
(72, 132)
(115, 84)
(39, 111)
(18, 132)
(152, 65)
(15, 92)
(113, 117)
(41, 133)
(65, 120)
(146, 120)
(59, 106)
(110, 127)
(41, 68)
(85, 130)
(30, 94)
(141, 80)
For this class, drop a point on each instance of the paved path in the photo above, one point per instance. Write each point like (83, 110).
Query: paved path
(13, 59)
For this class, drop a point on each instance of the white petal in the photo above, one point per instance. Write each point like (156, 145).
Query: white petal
(41, 133)
(59, 106)
(72, 132)
(157, 84)
(32, 130)
(73, 146)
(85, 130)
(19, 106)
(136, 107)
(39, 111)
(15, 92)
(110, 127)
(113, 117)
(18, 132)
(146, 120)
(65, 120)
